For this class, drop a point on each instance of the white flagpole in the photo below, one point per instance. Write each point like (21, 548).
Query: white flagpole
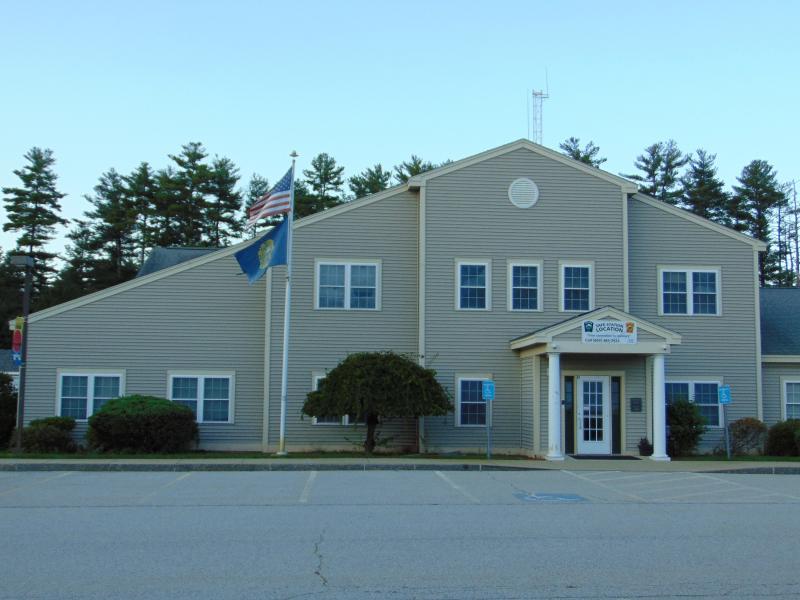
(287, 312)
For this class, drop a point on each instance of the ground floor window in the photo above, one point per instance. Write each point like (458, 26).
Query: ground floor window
(703, 393)
(331, 419)
(471, 407)
(209, 396)
(792, 399)
(80, 395)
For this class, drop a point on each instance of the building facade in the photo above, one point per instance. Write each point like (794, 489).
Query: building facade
(589, 305)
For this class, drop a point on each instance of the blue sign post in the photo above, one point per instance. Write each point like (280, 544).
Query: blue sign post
(487, 392)
(724, 398)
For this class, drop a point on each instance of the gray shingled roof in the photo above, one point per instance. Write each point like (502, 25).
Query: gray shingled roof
(6, 364)
(162, 258)
(780, 321)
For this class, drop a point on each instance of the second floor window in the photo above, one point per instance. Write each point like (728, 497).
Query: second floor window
(524, 293)
(473, 286)
(689, 292)
(347, 285)
(576, 288)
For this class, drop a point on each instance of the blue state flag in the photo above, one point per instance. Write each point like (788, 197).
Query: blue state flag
(266, 252)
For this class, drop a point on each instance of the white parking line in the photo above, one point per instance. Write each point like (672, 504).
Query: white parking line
(748, 487)
(457, 487)
(307, 488)
(608, 487)
(35, 483)
(163, 487)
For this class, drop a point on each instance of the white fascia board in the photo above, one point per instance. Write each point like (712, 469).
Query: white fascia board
(351, 205)
(139, 281)
(685, 214)
(626, 185)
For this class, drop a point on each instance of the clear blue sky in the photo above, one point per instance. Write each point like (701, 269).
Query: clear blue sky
(110, 84)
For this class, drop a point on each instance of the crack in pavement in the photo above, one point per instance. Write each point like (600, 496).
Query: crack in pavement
(318, 554)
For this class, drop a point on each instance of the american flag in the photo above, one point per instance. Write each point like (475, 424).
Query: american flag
(274, 202)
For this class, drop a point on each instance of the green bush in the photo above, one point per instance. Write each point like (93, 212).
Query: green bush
(747, 436)
(645, 447)
(8, 409)
(686, 427)
(782, 438)
(142, 424)
(52, 434)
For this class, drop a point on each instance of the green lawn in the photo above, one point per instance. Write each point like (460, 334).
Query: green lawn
(200, 455)
(754, 458)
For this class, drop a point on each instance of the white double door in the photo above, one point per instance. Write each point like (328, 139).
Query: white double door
(594, 415)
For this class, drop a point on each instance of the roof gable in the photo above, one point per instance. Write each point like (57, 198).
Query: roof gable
(419, 180)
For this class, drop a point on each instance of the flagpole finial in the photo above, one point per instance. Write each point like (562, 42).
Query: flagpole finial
(294, 154)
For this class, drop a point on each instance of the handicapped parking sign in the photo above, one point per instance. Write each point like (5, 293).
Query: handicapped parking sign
(487, 390)
(724, 394)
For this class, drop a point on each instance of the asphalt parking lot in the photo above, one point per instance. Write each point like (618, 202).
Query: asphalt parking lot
(423, 534)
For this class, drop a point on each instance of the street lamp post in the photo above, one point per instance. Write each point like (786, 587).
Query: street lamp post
(27, 262)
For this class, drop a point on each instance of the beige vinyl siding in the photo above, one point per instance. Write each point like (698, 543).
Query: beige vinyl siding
(468, 215)
(712, 346)
(387, 231)
(206, 317)
(773, 390)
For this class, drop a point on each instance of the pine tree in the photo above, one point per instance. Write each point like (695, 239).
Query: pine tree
(703, 191)
(79, 276)
(370, 181)
(572, 148)
(190, 186)
(33, 210)
(12, 281)
(407, 169)
(323, 182)
(222, 206)
(166, 224)
(757, 197)
(113, 222)
(660, 166)
(650, 164)
(140, 190)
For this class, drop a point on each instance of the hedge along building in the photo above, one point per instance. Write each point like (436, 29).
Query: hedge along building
(493, 267)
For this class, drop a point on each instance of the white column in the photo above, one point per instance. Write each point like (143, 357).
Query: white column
(659, 410)
(554, 406)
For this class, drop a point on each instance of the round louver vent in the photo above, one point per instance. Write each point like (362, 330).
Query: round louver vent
(523, 192)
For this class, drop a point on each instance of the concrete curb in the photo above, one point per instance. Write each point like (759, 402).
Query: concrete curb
(758, 471)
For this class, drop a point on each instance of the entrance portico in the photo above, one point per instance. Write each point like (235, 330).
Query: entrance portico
(594, 341)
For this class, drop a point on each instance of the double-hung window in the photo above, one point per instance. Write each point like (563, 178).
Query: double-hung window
(791, 397)
(80, 395)
(576, 287)
(210, 396)
(348, 285)
(324, 420)
(705, 394)
(524, 286)
(473, 285)
(471, 407)
(687, 291)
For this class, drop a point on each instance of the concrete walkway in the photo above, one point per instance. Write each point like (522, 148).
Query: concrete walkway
(393, 463)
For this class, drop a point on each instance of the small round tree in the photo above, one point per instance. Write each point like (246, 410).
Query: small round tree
(373, 386)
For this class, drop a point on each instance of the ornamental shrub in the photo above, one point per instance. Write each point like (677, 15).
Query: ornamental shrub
(8, 409)
(781, 439)
(747, 436)
(142, 424)
(686, 427)
(645, 447)
(53, 434)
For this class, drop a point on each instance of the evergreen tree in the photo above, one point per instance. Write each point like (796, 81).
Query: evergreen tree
(167, 230)
(222, 206)
(12, 280)
(758, 195)
(703, 191)
(141, 188)
(79, 276)
(370, 181)
(113, 222)
(191, 181)
(33, 211)
(572, 148)
(660, 166)
(407, 169)
(318, 192)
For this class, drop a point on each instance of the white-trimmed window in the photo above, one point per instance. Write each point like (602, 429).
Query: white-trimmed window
(791, 399)
(473, 285)
(209, 395)
(471, 407)
(80, 395)
(348, 285)
(316, 377)
(577, 293)
(705, 394)
(689, 291)
(524, 286)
